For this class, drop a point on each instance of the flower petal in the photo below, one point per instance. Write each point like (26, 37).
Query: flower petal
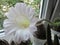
(8, 23)
(34, 20)
(9, 26)
(21, 8)
(11, 14)
(30, 12)
(22, 35)
(9, 38)
(17, 37)
(32, 28)
(26, 35)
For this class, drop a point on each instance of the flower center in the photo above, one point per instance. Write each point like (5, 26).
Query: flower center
(23, 22)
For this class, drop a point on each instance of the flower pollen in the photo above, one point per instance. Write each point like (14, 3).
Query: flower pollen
(23, 23)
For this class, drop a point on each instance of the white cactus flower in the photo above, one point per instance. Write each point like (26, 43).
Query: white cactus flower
(20, 23)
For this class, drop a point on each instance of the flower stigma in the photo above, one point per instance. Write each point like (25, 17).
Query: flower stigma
(22, 23)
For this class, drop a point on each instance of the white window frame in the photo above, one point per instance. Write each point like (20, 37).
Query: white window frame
(46, 8)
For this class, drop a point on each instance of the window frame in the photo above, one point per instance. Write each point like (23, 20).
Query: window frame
(47, 9)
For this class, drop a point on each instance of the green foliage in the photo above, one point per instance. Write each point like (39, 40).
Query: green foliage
(57, 21)
(57, 24)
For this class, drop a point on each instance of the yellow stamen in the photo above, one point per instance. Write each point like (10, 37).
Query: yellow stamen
(22, 23)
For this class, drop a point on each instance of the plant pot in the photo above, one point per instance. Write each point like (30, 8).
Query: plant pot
(36, 41)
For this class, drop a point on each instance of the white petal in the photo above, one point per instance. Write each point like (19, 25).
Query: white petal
(21, 8)
(22, 35)
(9, 38)
(9, 26)
(18, 37)
(30, 12)
(11, 14)
(34, 20)
(26, 35)
(12, 31)
(8, 23)
(32, 28)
